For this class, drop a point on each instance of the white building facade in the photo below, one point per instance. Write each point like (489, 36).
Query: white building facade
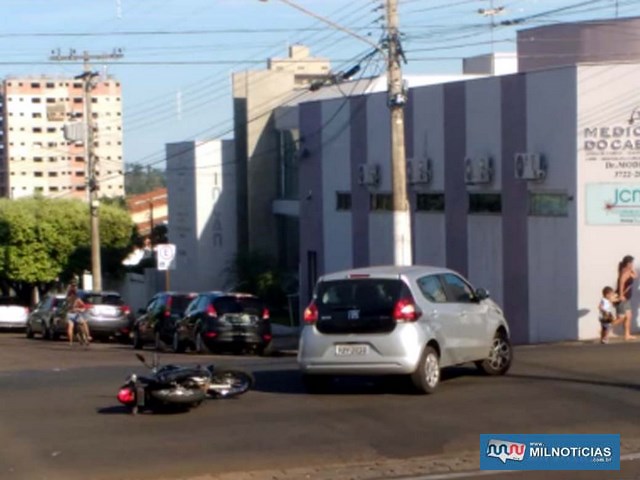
(201, 183)
(527, 183)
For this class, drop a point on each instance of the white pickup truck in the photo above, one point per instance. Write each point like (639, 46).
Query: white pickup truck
(12, 314)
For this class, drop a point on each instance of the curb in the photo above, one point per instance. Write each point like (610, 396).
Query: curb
(461, 465)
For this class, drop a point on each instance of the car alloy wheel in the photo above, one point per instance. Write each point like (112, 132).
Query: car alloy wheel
(431, 369)
(500, 354)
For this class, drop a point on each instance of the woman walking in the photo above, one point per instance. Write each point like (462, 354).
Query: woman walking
(626, 276)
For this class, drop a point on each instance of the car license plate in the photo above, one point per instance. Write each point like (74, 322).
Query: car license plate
(351, 350)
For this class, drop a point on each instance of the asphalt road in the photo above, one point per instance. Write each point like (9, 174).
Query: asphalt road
(59, 418)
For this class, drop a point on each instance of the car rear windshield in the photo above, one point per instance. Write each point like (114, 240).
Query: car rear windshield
(102, 299)
(358, 306)
(250, 305)
(179, 303)
(4, 301)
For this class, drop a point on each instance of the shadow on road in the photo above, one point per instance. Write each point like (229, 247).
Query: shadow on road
(546, 378)
(289, 381)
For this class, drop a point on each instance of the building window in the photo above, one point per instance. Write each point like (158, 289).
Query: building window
(53, 189)
(38, 189)
(485, 203)
(430, 202)
(35, 85)
(36, 115)
(379, 202)
(77, 100)
(37, 174)
(51, 129)
(51, 100)
(94, 100)
(37, 130)
(77, 85)
(36, 100)
(51, 85)
(37, 159)
(548, 204)
(53, 174)
(343, 201)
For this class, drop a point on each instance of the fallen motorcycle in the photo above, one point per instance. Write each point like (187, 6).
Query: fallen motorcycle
(171, 387)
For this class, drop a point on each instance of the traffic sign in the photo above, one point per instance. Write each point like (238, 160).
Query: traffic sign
(166, 254)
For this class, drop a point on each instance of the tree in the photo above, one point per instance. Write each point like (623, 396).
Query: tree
(43, 241)
(143, 179)
(257, 273)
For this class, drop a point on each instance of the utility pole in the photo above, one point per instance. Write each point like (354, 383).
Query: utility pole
(402, 251)
(88, 77)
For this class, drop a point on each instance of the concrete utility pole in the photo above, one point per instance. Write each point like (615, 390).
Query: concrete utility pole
(402, 251)
(88, 78)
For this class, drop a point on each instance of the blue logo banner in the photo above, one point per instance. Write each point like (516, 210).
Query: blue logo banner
(549, 452)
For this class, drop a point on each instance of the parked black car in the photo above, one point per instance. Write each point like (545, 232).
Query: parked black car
(156, 322)
(107, 316)
(219, 321)
(41, 318)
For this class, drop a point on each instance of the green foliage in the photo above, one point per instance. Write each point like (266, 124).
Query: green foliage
(45, 240)
(257, 273)
(142, 179)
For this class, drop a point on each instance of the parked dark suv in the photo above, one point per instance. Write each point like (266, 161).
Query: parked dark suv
(156, 322)
(218, 321)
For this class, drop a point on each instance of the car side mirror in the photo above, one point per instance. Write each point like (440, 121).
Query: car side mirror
(482, 294)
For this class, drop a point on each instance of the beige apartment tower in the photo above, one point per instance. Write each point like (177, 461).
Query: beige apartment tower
(35, 156)
(256, 94)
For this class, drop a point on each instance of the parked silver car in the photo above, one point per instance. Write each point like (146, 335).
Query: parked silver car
(411, 320)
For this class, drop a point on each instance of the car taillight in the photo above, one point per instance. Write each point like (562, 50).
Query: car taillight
(211, 311)
(125, 309)
(265, 314)
(211, 334)
(267, 337)
(311, 313)
(126, 396)
(167, 309)
(406, 311)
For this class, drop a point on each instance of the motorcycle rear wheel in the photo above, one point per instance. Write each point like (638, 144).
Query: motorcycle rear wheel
(237, 382)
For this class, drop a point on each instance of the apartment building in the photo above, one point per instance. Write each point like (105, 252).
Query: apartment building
(35, 156)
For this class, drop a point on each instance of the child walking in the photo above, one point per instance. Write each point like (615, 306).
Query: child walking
(607, 312)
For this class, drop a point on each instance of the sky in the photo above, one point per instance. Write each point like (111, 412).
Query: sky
(179, 54)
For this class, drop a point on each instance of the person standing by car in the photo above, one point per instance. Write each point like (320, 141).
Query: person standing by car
(76, 309)
(626, 276)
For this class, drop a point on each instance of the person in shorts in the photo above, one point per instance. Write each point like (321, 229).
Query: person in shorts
(75, 317)
(626, 276)
(607, 312)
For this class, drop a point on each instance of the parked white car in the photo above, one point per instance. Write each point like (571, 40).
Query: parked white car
(12, 314)
(411, 321)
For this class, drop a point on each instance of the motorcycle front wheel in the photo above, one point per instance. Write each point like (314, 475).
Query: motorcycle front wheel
(230, 383)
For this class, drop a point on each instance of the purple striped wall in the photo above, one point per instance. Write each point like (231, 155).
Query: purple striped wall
(457, 199)
(359, 195)
(515, 208)
(310, 176)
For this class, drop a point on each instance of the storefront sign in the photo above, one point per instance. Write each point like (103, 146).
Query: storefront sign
(615, 148)
(613, 204)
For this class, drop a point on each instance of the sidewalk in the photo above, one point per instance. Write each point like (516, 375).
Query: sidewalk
(384, 469)
(285, 338)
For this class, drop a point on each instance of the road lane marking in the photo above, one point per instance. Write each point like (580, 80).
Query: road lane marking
(629, 457)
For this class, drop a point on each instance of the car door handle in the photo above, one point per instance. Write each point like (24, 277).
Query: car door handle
(434, 314)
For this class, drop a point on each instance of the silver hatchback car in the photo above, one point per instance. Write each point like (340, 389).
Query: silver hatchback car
(410, 320)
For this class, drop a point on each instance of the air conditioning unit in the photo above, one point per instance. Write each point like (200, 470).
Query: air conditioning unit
(530, 166)
(485, 171)
(469, 171)
(419, 172)
(369, 174)
(477, 172)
